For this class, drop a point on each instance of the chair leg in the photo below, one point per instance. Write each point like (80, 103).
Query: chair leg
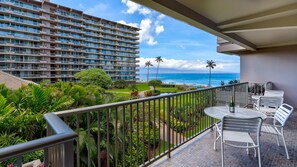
(247, 150)
(255, 152)
(277, 140)
(259, 156)
(215, 138)
(222, 153)
(288, 157)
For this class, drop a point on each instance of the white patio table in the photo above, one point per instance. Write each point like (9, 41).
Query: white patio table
(219, 112)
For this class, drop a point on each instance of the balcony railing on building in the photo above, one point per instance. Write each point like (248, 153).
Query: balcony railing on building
(128, 133)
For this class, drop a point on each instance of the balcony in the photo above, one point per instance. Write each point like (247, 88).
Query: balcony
(199, 152)
(177, 128)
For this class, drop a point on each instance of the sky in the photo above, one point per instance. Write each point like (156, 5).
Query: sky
(184, 48)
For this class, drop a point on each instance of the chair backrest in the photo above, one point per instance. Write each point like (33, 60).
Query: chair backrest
(273, 93)
(250, 125)
(282, 114)
(270, 101)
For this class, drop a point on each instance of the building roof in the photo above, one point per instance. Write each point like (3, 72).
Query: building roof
(11, 81)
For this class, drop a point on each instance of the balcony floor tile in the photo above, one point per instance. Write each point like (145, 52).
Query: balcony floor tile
(199, 152)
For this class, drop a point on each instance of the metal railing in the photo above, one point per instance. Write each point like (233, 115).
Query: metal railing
(59, 136)
(138, 132)
(129, 133)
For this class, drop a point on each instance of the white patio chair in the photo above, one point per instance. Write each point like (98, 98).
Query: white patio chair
(238, 130)
(269, 104)
(277, 129)
(274, 93)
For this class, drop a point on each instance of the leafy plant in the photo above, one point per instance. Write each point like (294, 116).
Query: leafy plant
(120, 84)
(155, 83)
(94, 76)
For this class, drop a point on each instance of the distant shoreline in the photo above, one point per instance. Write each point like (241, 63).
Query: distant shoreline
(195, 79)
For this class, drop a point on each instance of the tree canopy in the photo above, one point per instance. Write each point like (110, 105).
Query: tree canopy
(94, 76)
(155, 83)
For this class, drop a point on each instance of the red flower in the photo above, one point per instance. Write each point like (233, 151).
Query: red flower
(10, 165)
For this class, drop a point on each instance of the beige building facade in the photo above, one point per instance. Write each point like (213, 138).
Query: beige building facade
(40, 40)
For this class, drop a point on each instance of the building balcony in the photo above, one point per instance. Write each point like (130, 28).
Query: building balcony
(178, 126)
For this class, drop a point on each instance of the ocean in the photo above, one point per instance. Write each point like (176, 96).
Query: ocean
(192, 78)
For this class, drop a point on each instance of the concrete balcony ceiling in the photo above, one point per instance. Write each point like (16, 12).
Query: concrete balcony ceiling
(250, 24)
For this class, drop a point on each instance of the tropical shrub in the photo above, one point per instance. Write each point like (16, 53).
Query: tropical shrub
(120, 84)
(133, 87)
(148, 93)
(94, 76)
(233, 81)
(181, 87)
(156, 93)
(155, 83)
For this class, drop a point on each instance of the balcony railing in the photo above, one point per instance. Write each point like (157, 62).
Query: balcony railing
(58, 144)
(135, 132)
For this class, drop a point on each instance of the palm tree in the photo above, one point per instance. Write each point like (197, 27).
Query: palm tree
(158, 60)
(148, 64)
(210, 64)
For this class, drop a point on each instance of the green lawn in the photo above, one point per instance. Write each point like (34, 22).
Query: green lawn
(143, 87)
(167, 90)
(127, 95)
(140, 87)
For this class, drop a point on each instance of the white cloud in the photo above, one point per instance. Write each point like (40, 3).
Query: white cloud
(161, 16)
(150, 25)
(159, 29)
(129, 24)
(134, 7)
(187, 64)
(145, 32)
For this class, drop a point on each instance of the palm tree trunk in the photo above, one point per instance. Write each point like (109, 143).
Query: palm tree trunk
(148, 73)
(157, 71)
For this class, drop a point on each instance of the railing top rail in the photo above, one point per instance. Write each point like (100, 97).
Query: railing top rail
(128, 102)
(63, 134)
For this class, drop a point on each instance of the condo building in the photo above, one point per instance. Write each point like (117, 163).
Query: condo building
(40, 40)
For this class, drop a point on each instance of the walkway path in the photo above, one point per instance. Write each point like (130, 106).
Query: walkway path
(173, 137)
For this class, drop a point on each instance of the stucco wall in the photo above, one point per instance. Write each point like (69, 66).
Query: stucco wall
(278, 65)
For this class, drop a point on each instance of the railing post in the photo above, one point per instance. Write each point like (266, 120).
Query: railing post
(247, 93)
(47, 150)
(68, 154)
(210, 105)
(233, 94)
(168, 126)
(19, 161)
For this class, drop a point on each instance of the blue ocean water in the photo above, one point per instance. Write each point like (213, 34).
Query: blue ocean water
(192, 78)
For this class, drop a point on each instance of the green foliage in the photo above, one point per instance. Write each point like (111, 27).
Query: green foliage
(133, 87)
(148, 93)
(155, 83)
(151, 138)
(120, 84)
(21, 113)
(4, 90)
(94, 76)
(233, 81)
(182, 87)
(5, 108)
